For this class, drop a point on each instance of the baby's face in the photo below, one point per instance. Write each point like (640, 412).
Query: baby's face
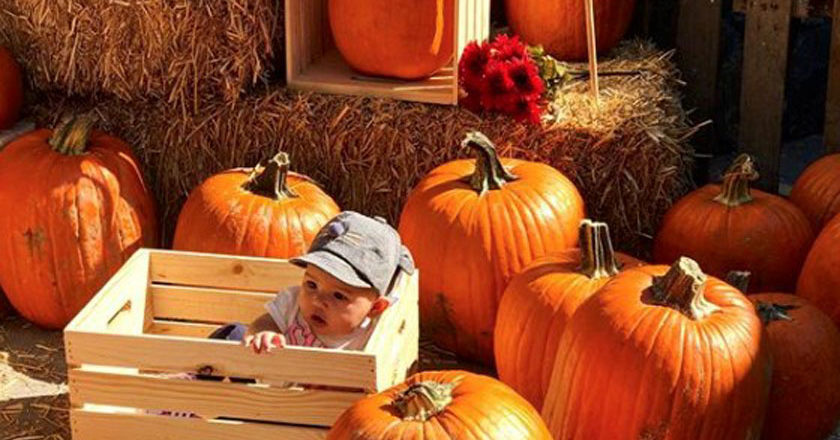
(330, 307)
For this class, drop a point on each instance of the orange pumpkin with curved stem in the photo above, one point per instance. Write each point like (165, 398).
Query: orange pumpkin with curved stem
(539, 302)
(471, 225)
(11, 89)
(731, 227)
(267, 211)
(437, 405)
(820, 278)
(80, 208)
(817, 191)
(661, 352)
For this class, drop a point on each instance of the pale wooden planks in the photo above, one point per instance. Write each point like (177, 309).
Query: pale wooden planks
(210, 399)
(396, 338)
(832, 104)
(183, 329)
(221, 271)
(205, 304)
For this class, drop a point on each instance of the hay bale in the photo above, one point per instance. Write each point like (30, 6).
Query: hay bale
(172, 51)
(630, 157)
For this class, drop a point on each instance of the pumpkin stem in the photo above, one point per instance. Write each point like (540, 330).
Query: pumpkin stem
(72, 134)
(770, 312)
(682, 289)
(270, 180)
(597, 255)
(489, 172)
(739, 279)
(735, 190)
(423, 400)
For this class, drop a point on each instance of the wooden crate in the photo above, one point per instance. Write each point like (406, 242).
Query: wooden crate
(313, 63)
(153, 316)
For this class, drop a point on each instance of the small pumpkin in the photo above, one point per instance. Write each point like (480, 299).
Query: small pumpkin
(81, 208)
(820, 278)
(405, 39)
(731, 227)
(661, 352)
(266, 211)
(817, 191)
(539, 302)
(11, 89)
(442, 405)
(471, 226)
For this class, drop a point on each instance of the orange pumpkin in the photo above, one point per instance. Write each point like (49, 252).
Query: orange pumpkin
(817, 191)
(11, 89)
(560, 25)
(439, 405)
(471, 226)
(406, 39)
(730, 227)
(80, 208)
(539, 302)
(266, 211)
(820, 279)
(661, 352)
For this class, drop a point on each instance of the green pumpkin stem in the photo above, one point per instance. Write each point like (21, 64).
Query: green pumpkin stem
(72, 135)
(739, 279)
(735, 190)
(423, 400)
(771, 312)
(269, 180)
(682, 289)
(597, 255)
(489, 173)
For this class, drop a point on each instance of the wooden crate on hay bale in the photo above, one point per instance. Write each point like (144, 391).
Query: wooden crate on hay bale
(153, 317)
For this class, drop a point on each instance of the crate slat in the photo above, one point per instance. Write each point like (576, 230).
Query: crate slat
(210, 399)
(397, 334)
(87, 424)
(832, 100)
(207, 304)
(183, 329)
(175, 354)
(222, 271)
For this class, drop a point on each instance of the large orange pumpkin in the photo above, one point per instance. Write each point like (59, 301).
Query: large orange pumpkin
(560, 25)
(817, 191)
(664, 353)
(76, 208)
(730, 227)
(11, 89)
(406, 39)
(266, 211)
(471, 226)
(820, 279)
(442, 405)
(539, 302)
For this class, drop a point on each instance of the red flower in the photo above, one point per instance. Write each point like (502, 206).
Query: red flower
(473, 63)
(526, 77)
(508, 48)
(526, 110)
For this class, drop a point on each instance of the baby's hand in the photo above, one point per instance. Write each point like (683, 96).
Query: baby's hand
(264, 342)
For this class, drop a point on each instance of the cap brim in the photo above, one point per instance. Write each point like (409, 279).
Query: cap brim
(333, 265)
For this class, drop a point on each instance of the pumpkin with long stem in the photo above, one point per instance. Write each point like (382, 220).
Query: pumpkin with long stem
(11, 89)
(539, 302)
(471, 226)
(817, 191)
(820, 278)
(661, 352)
(732, 227)
(76, 207)
(267, 211)
(438, 405)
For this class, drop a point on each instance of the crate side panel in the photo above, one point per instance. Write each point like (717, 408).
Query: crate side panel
(208, 305)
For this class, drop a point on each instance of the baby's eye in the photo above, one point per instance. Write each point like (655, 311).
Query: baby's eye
(310, 285)
(339, 296)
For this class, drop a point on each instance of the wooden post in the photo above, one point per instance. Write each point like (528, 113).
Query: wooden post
(593, 49)
(763, 85)
(832, 100)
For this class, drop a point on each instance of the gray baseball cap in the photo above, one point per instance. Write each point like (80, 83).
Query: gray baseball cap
(360, 251)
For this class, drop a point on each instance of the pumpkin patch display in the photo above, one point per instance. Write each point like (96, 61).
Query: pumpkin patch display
(560, 25)
(817, 191)
(11, 89)
(732, 227)
(438, 405)
(267, 211)
(539, 302)
(405, 39)
(661, 352)
(471, 225)
(820, 278)
(81, 208)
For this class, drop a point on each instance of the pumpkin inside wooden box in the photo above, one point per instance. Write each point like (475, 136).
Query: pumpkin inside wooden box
(153, 317)
(314, 63)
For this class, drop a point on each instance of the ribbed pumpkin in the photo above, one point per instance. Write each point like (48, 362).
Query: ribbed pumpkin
(76, 208)
(11, 89)
(817, 191)
(560, 25)
(539, 302)
(442, 405)
(267, 211)
(661, 353)
(730, 227)
(820, 279)
(471, 226)
(406, 39)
